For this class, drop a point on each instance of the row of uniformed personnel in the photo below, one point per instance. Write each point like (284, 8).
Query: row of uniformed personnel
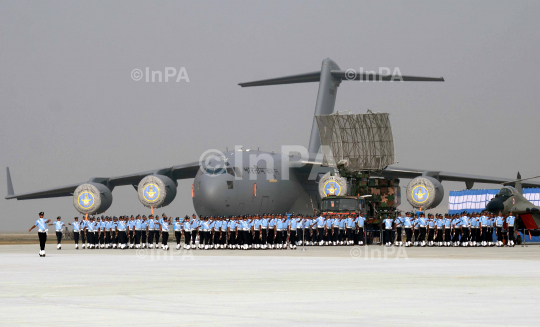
(267, 231)
(270, 231)
(463, 229)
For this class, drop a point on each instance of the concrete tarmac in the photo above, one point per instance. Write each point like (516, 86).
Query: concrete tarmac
(335, 286)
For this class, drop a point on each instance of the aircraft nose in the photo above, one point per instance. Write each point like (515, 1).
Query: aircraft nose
(212, 194)
(495, 205)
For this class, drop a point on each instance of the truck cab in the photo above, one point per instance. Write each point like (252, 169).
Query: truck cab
(343, 205)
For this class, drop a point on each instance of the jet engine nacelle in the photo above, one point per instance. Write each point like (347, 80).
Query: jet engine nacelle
(425, 192)
(156, 191)
(92, 198)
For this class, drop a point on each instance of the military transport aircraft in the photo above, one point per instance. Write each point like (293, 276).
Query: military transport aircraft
(511, 199)
(236, 186)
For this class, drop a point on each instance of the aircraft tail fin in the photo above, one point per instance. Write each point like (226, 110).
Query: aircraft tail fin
(519, 187)
(329, 78)
(9, 183)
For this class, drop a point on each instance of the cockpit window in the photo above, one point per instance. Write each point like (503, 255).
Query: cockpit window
(215, 171)
(506, 191)
(235, 171)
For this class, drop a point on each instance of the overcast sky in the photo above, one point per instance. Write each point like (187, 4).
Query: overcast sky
(70, 109)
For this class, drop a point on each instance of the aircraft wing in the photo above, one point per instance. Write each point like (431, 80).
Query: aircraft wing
(399, 172)
(176, 172)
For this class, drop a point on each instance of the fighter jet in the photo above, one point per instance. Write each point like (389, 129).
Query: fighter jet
(511, 199)
(230, 183)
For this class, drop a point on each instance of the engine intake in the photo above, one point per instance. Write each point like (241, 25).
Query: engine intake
(92, 198)
(425, 192)
(156, 191)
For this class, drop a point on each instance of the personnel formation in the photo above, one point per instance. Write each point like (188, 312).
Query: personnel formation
(281, 231)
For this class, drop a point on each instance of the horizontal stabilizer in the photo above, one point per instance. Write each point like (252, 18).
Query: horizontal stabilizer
(340, 75)
(351, 75)
(301, 78)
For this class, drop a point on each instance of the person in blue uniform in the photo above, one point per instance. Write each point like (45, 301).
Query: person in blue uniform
(431, 229)
(214, 232)
(499, 221)
(422, 222)
(164, 227)
(58, 226)
(350, 230)
(76, 230)
(472, 223)
(232, 231)
(97, 224)
(360, 223)
(510, 220)
(250, 231)
(328, 231)
(137, 231)
(456, 230)
(157, 233)
(465, 229)
(407, 224)
(130, 228)
(388, 225)
(177, 227)
(279, 232)
(144, 233)
(299, 230)
(41, 225)
(335, 230)
(341, 230)
(284, 230)
(91, 233)
(150, 226)
(271, 231)
(223, 229)
(320, 223)
(335, 226)
(416, 229)
(307, 230)
(243, 231)
(447, 228)
(256, 230)
(211, 224)
(205, 233)
(483, 226)
(114, 233)
(88, 232)
(108, 224)
(195, 226)
(82, 231)
(121, 230)
(439, 224)
(491, 229)
(398, 223)
(292, 225)
(264, 231)
(186, 227)
(103, 229)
